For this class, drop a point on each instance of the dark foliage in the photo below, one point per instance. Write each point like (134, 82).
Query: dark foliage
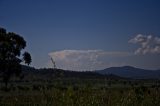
(27, 58)
(11, 45)
(51, 74)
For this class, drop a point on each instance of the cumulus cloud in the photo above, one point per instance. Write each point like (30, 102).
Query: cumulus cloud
(82, 60)
(148, 44)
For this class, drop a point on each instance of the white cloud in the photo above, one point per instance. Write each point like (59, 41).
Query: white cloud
(82, 60)
(148, 44)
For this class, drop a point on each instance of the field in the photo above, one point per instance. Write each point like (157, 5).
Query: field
(81, 92)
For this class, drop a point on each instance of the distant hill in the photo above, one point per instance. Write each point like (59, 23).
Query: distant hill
(31, 73)
(131, 72)
(109, 73)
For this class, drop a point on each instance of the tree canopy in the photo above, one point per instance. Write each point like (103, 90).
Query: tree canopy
(11, 45)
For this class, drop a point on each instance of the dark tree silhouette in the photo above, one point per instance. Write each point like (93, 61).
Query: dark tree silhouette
(27, 58)
(11, 45)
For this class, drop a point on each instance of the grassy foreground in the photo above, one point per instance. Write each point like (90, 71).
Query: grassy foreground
(83, 95)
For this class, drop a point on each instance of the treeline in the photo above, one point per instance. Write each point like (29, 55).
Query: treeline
(49, 74)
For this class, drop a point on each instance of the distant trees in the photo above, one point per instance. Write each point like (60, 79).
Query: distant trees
(11, 45)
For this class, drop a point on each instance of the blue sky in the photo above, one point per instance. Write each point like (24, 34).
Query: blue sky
(57, 26)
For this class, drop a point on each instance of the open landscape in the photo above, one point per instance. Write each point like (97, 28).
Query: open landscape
(56, 87)
(79, 52)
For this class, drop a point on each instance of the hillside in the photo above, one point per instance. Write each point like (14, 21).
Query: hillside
(49, 74)
(131, 72)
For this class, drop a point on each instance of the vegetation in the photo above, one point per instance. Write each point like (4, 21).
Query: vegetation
(11, 45)
(82, 92)
(57, 87)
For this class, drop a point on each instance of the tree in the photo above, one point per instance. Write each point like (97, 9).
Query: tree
(27, 58)
(11, 45)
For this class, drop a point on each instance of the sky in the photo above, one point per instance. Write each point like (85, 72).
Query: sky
(86, 34)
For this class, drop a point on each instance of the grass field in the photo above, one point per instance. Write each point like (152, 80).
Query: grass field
(76, 92)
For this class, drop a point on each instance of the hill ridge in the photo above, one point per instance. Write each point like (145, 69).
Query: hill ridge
(131, 72)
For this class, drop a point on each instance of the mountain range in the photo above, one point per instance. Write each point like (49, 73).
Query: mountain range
(131, 72)
(125, 72)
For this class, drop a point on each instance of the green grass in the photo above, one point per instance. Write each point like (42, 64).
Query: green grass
(79, 93)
